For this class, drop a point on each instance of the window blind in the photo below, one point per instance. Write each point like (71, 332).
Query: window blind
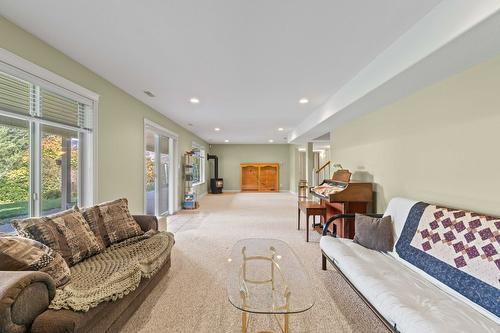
(59, 109)
(22, 97)
(14, 94)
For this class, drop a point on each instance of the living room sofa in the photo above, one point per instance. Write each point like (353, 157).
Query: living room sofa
(25, 297)
(405, 297)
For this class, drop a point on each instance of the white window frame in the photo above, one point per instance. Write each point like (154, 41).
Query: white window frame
(203, 164)
(173, 193)
(16, 66)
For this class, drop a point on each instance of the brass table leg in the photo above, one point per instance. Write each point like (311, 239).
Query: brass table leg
(244, 322)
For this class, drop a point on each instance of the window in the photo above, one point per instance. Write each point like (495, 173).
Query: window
(46, 140)
(198, 165)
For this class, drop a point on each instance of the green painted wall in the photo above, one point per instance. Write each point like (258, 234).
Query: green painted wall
(120, 119)
(231, 155)
(439, 145)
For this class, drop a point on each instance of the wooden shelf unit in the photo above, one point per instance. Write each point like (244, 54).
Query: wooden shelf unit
(259, 177)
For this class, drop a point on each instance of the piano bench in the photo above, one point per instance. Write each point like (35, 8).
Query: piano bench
(310, 208)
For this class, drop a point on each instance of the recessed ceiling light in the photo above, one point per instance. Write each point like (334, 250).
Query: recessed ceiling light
(194, 100)
(303, 101)
(190, 124)
(149, 93)
(271, 140)
(281, 129)
(226, 140)
(216, 129)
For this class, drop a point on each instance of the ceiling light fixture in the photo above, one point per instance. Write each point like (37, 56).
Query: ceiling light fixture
(194, 100)
(216, 129)
(303, 101)
(271, 140)
(226, 141)
(281, 129)
(149, 93)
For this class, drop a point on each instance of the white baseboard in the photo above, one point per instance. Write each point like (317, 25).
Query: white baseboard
(231, 191)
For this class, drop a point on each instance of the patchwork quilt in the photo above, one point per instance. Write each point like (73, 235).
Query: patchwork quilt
(459, 248)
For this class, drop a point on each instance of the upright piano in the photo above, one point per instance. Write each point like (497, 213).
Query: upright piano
(344, 197)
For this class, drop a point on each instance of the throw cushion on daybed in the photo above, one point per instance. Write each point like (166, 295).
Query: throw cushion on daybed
(374, 233)
(112, 222)
(23, 254)
(66, 232)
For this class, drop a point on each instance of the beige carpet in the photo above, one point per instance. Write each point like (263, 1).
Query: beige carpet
(192, 297)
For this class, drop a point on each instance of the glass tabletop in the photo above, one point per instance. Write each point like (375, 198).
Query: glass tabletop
(265, 276)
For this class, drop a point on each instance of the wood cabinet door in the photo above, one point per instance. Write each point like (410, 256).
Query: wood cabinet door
(268, 178)
(259, 177)
(249, 178)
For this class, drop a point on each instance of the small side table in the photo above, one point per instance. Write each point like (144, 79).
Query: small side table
(310, 208)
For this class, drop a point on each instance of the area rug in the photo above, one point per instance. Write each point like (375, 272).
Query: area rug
(192, 296)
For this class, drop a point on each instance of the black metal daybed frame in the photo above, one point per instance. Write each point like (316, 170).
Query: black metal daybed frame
(324, 259)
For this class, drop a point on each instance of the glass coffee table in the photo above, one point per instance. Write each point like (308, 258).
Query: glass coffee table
(266, 277)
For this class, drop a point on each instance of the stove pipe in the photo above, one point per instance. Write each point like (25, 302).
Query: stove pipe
(216, 164)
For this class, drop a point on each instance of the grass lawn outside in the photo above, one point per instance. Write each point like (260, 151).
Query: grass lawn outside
(20, 208)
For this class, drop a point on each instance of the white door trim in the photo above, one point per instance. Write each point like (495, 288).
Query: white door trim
(174, 162)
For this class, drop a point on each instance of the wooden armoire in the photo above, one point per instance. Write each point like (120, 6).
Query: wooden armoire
(259, 177)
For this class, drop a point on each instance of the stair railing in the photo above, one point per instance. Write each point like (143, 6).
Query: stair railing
(322, 173)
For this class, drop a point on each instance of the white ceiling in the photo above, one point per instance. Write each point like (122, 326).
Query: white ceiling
(249, 62)
(454, 36)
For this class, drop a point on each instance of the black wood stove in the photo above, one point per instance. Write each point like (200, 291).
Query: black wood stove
(216, 183)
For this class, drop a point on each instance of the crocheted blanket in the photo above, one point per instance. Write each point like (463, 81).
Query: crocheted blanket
(115, 272)
(460, 249)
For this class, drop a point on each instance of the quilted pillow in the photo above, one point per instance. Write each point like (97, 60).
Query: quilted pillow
(23, 254)
(112, 222)
(66, 233)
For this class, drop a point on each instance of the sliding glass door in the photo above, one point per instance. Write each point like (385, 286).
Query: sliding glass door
(59, 178)
(163, 174)
(159, 180)
(150, 172)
